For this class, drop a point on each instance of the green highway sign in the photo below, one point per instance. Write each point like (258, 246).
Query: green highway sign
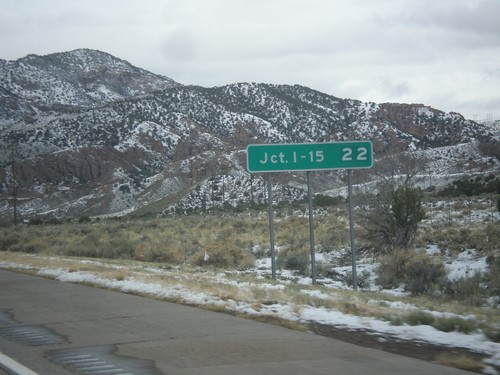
(309, 156)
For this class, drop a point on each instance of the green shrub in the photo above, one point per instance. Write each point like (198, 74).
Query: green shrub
(494, 275)
(455, 324)
(466, 290)
(24, 248)
(333, 238)
(100, 244)
(82, 251)
(417, 271)
(295, 260)
(416, 318)
(8, 238)
(118, 248)
(392, 267)
(394, 220)
(493, 333)
(472, 186)
(424, 275)
(456, 238)
(362, 279)
(321, 200)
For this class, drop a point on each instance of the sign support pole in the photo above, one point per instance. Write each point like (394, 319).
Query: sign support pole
(351, 229)
(311, 228)
(271, 224)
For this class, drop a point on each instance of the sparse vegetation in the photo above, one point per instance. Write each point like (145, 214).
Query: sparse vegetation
(321, 200)
(234, 240)
(418, 272)
(174, 240)
(461, 361)
(392, 268)
(467, 290)
(473, 186)
(424, 275)
(229, 231)
(295, 260)
(394, 222)
(417, 317)
(455, 324)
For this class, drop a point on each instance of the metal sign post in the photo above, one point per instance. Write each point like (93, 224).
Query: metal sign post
(351, 230)
(271, 224)
(311, 228)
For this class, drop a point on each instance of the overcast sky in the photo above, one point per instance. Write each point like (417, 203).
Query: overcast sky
(442, 53)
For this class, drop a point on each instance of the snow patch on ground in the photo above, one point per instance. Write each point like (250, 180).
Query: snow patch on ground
(476, 341)
(466, 264)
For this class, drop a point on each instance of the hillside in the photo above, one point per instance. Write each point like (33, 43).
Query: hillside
(84, 133)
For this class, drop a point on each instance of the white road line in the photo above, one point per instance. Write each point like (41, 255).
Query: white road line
(14, 366)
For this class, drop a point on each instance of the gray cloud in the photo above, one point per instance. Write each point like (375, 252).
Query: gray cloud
(179, 45)
(476, 17)
(441, 53)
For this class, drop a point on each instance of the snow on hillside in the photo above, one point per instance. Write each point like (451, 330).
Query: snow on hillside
(88, 101)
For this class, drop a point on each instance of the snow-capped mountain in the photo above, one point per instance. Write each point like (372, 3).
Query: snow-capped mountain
(85, 133)
(80, 78)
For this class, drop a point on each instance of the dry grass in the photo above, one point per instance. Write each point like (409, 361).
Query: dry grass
(176, 246)
(176, 240)
(243, 288)
(170, 253)
(461, 361)
(479, 236)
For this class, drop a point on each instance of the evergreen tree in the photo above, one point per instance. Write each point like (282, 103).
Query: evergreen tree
(407, 212)
(394, 221)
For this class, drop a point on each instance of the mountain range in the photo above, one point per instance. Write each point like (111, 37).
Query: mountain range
(84, 133)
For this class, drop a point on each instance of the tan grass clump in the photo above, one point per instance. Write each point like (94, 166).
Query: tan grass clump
(461, 361)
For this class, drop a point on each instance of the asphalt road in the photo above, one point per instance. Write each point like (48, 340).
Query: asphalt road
(56, 328)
